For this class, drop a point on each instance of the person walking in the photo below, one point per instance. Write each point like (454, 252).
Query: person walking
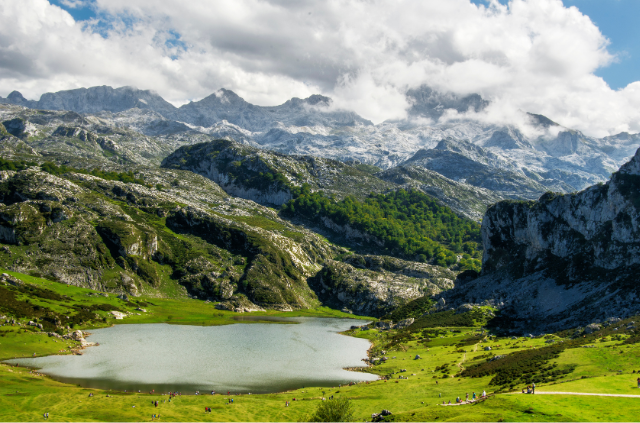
(639, 382)
(533, 388)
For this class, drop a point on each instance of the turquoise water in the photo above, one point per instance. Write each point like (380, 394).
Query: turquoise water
(242, 358)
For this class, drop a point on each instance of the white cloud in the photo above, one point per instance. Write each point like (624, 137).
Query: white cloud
(534, 55)
(74, 4)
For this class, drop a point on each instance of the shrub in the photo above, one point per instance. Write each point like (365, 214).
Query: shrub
(337, 410)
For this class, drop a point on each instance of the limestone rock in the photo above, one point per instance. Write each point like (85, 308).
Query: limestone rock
(545, 260)
(593, 327)
(118, 315)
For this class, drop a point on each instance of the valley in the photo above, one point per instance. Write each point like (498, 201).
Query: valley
(487, 257)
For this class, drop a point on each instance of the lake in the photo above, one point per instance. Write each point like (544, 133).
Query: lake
(241, 358)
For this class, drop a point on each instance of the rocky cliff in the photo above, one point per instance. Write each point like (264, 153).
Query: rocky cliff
(564, 259)
(376, 285)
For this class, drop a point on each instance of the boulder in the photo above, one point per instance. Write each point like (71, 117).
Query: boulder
(593, 327)
(405, 323)
(378, 417)
(464, 308)
(384, 325)
(7, 278)
(118, 315)
(77, 336)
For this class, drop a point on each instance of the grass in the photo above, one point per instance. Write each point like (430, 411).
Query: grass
(444, 352)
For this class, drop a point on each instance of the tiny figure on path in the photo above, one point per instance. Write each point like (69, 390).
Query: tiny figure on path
(474, 396)
(467, 396)
(639, 382)
(484, 393)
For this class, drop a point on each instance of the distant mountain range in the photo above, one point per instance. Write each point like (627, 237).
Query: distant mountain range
(500, 158)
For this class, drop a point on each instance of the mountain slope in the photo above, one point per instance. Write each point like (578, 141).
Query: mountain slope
(570, 258)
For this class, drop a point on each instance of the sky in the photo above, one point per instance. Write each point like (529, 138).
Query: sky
(574, 61)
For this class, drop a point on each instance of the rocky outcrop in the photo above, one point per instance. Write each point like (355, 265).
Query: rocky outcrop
(271, 178)
(109, 235)
(276, 269)
(571, 258)
(375, 285)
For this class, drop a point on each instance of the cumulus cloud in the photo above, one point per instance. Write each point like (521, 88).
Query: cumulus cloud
(532, 55)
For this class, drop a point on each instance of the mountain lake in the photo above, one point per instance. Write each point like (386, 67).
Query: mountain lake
(241, 358)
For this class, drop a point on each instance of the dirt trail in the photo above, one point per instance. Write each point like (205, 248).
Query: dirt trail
(464, 358)
(584, 393)
(549, 393)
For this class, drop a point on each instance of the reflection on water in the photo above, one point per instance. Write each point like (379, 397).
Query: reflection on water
(242, 358)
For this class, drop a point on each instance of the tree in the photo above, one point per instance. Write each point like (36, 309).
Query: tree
(337, 410)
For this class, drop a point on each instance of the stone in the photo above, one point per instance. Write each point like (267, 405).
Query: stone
(405, 323)
(593, 327)
(77, 335)
(118, 315)
(384, 325)
(464, 308)
(417, 357)
(123, 297)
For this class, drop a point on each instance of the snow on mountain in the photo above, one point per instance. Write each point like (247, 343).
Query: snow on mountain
(495, 157)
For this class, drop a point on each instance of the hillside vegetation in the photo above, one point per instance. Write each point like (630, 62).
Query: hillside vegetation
(410, 224)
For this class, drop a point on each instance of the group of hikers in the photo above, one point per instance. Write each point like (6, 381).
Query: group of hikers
(466, 401)
(530, 389)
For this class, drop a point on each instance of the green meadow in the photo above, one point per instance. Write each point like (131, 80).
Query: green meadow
(453, 362)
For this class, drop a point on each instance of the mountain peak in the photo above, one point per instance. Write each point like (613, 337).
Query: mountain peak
(427, 102)
(16, 97)
(541, 120)
(317, 99)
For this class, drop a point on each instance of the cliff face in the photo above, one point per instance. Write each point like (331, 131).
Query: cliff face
(573, 258)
